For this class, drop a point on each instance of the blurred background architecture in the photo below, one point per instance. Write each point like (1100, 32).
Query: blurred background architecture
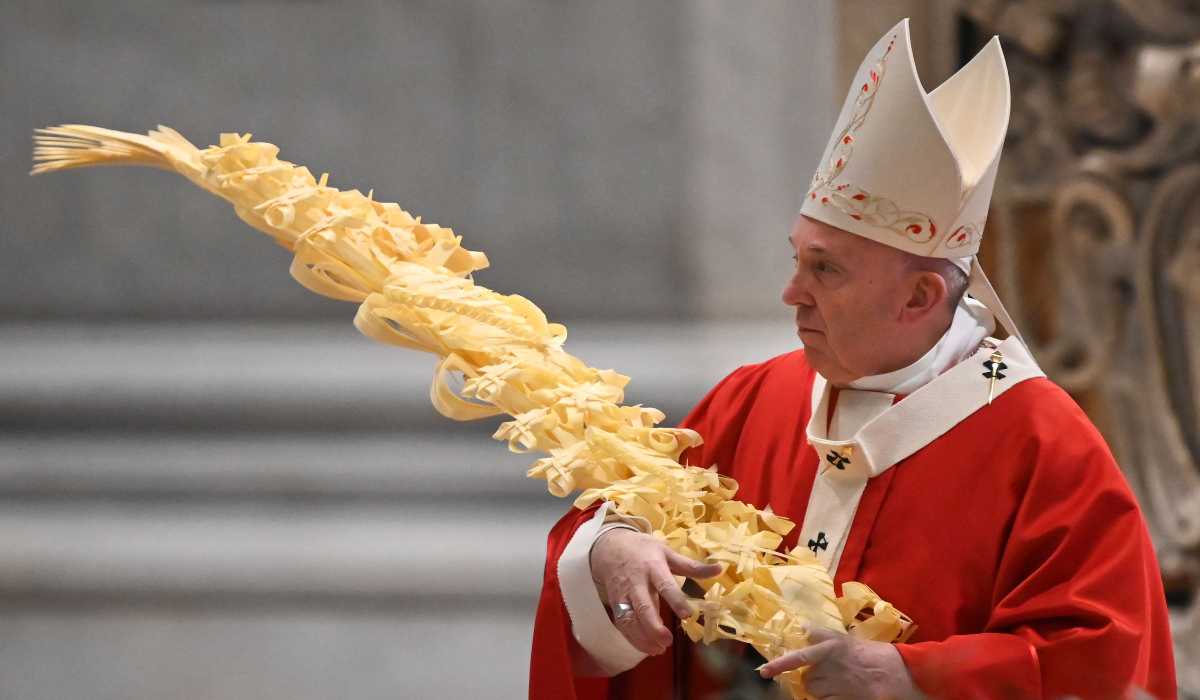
(212, 487)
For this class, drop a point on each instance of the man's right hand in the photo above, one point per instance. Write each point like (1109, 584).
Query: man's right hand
(635, 568)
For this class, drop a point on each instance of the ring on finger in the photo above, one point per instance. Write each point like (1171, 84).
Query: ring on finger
(622, 610)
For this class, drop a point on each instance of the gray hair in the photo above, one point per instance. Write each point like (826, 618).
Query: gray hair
(956, 279)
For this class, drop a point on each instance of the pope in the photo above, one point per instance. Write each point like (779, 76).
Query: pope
(922, 454)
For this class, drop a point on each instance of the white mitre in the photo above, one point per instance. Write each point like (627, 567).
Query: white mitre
(914, 169)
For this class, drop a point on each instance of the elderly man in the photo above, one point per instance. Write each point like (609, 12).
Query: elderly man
(919, 454)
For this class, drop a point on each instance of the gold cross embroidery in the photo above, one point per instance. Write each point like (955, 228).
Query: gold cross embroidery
(994, 367)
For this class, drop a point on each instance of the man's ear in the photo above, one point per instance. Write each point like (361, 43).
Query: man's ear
(927, 294)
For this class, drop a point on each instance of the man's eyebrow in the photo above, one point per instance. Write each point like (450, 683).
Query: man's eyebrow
(812, 247)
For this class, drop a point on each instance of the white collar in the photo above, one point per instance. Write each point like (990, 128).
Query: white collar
(926, 414)
(972, 323)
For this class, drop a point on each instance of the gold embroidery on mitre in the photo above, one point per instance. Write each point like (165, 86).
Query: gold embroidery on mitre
(856, 202)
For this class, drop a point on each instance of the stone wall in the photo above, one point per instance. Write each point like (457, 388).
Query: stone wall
(634, 145)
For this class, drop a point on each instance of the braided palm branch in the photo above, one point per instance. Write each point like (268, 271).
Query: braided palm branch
(412, 281)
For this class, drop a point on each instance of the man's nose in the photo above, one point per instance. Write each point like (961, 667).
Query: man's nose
(795, 292)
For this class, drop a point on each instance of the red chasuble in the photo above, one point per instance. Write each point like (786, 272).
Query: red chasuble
(1012, 540)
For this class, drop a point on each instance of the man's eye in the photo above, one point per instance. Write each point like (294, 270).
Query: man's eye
(823, 267)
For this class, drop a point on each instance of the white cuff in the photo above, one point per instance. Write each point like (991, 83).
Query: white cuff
(606, 527)
(634, 522)
(590, 623)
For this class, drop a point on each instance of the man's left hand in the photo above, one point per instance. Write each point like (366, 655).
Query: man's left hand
(845, 667)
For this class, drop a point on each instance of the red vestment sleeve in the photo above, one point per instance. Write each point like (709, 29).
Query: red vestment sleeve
(555, 651)
(1077, 605)
(556, 655)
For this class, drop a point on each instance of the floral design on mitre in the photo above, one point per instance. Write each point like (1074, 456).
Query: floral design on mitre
(856, 202)
(881, 212)
(964, 235)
